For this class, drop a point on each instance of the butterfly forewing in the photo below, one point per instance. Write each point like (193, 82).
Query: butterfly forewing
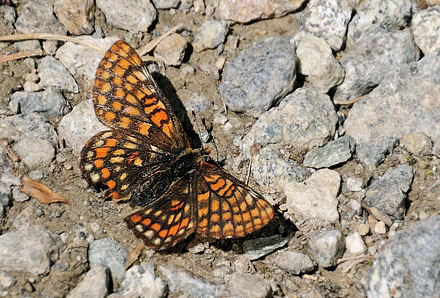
(127, 98)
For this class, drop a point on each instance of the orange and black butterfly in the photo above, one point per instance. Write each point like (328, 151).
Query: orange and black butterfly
(146, 158)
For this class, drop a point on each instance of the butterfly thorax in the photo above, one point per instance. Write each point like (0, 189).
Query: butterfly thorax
(154, 186)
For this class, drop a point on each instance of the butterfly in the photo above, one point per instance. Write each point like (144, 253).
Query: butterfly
(145, 158)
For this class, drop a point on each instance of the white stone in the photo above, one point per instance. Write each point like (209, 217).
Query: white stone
(315, 199)
(316, 60)
(354, 244)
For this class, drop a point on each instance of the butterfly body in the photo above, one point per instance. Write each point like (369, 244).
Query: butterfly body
(146, 159)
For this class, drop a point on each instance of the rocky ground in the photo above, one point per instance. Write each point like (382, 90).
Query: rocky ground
(333, 107)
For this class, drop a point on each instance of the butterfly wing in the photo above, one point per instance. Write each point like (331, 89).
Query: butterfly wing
(167, 220)
(226, 207)
(127, 98)
(120, 163)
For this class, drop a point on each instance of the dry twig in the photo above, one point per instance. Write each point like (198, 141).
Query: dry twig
(152, 44)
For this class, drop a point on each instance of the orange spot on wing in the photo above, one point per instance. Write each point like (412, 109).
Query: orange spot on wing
(156, 227)
(109, 116)
(119, 93)
(144, 128)
(111, 184)
(219, 184)
(111, 142)
(173, 230)
(135, 218)
(124, 64)
(124, 122)
(101, 152)
(131, 99)
(146, 222)
(105, 173)
(119, 71)
(99, 163)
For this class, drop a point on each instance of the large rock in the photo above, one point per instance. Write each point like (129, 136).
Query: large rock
(409, 264)
(32, 250)
(259, 76)
(405, 102)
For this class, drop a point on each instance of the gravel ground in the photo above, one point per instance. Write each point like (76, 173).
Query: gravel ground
(333, 108)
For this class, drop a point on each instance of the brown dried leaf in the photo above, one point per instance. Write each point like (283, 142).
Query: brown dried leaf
(41, 192)
(134, 255)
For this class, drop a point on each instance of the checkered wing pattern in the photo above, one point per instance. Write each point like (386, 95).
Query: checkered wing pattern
(119, 162)
(227, 207)
(127, 98)
(168, 220)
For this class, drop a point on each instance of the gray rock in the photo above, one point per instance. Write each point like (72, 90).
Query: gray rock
(303, 120)
(326, 247)
(270, 168)
(171, 50)
(37, 16)
(5, 199)
(32, 250)
(19, 127)
(354, 184)
(355, 245)
(79, 59)
(6, 164)
(245, 11)
(131, 15)
(370, 15)
(6, 280)
(405, 102)
(368, 61)
(141, 281)
(19, 196)
(334, 153)
(35, 152)
(258, 248)
(108, 252)
(197, 103)
(417, 143)
(48, 103)
(96, 283)
(314, 199)
(166, 4)
(184, 283)
(211, 34)
(5, 195)
(28, 45)
(77, 127)
(426, 29)
(293, 262)
(316, 61)
(52, 73)
(77, 16)
(259, 76)
(329, 20)
(248, 286)
(7, 14)
(408, 264)
(389, 193)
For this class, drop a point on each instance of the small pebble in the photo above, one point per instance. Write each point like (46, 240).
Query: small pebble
(380, 228)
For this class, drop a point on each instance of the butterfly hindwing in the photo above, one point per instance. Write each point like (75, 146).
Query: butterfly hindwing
(226, 207)
(168, 220)
(119, 163)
